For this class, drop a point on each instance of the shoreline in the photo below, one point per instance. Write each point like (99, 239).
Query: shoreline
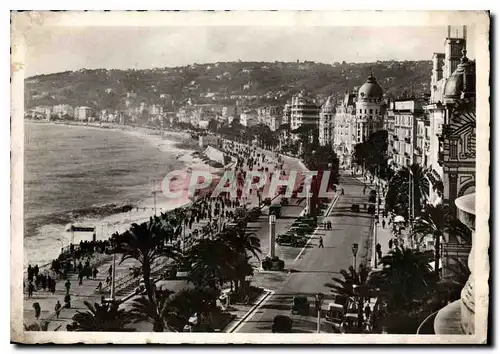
(45, 240)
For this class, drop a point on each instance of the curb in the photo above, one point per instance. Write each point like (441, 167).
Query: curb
(233, 327)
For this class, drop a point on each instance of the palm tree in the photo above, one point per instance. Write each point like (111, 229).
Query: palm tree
(432, 222)
(407, 276)
(397, 198)
(144, 243)
(244, 245)
(156, 312)
(211, 263)
(101, 318)
(187, 302)
(353, 285)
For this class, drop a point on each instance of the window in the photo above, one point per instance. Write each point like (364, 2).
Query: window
(371, 117)
(365, 110)
(360, 111)
(371, 111)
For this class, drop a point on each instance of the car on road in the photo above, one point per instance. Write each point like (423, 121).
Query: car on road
(291, 239)
(300, 305)
(282, 324)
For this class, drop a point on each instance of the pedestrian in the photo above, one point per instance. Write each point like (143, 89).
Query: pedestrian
(383, 223)
(58, 308)
(342, 191)
(38, 310)
(390, 243)
(378, 249)
(321, 242)
(364, 190)
(99, 287)
(80, 277)
(31, 287)
(368, 312)
(67, 285)
(94, 273)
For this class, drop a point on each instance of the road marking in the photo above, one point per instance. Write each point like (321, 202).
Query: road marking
(251, 312)
(328, 211)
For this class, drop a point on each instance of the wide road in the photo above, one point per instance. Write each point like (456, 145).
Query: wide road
(316, 266)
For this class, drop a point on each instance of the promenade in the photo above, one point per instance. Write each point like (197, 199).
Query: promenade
(87, 291)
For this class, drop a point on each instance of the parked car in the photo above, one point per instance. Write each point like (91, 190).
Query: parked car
(291, 239)
(300, 305)
(282, 324)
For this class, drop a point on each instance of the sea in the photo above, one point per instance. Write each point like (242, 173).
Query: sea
(87, 176)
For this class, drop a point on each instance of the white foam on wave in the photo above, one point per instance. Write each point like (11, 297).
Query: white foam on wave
(45, 245)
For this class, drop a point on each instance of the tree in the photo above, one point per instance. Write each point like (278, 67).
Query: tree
(431, 222)
(244, 245)
(407, 277)
(211, 263)
(144, 243)
(321, 159)
(371, 154)
(156, 312)
(101, 318)
(353, 285)
(398, 196)
(435, 220)
(187, 302)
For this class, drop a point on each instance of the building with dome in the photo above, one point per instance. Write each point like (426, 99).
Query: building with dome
(452, 121)
(359, 115)
(326, 116)
(451, 151)
(369, 110)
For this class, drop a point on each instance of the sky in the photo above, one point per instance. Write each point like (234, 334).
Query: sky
(62, 48)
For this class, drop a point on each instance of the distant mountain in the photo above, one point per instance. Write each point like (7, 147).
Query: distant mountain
(251, 83)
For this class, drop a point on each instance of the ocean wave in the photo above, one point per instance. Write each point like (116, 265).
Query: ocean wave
(63, 218)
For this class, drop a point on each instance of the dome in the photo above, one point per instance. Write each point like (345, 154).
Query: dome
(370, 89)
(462, 83)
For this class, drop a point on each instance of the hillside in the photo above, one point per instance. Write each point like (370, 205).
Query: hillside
(251, 83)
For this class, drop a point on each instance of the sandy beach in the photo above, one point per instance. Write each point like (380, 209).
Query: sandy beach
(48, 248)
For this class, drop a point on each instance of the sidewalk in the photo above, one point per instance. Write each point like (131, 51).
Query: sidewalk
(87, 291)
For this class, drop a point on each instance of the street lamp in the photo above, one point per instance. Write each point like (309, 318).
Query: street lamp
(272, 234)
(319, 302)
(354, 252)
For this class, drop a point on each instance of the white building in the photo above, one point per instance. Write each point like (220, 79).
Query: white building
(304, 111)
(83, 113)
(63, 110)
(326, 117)
(369, 110)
